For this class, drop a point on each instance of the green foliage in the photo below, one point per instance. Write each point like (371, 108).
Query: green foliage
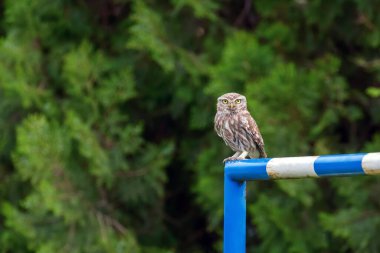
(373, 91)
(202, 9)
(148, 35)
(106, 119)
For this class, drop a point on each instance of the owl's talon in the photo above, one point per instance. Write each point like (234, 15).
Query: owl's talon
(232, 159)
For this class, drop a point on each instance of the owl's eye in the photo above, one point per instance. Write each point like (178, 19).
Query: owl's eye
(225, 101)
(238, 101)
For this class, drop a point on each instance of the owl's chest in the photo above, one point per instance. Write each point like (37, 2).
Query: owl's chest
(227, 125)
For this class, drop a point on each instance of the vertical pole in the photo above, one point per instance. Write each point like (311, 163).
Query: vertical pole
(234, 215)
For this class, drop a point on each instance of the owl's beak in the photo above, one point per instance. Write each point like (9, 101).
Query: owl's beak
(232, 106)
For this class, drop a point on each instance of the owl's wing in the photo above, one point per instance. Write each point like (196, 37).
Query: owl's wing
(218, 125)
(252, 130)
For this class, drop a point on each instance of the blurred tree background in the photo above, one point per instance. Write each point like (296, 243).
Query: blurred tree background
(106, 126)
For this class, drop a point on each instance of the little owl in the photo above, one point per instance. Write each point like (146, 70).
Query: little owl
(238, 129)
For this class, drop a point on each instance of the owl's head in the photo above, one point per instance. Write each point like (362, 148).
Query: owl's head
(231, 103)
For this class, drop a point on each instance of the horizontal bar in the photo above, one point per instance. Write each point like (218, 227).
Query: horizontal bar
(304, 166)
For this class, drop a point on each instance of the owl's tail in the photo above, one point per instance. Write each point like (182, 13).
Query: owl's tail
(260, 150)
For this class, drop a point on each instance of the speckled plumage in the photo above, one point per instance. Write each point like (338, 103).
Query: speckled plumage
(238, 129)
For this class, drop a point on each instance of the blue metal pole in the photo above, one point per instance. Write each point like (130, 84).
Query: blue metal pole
(234, 215)
(237, 173)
